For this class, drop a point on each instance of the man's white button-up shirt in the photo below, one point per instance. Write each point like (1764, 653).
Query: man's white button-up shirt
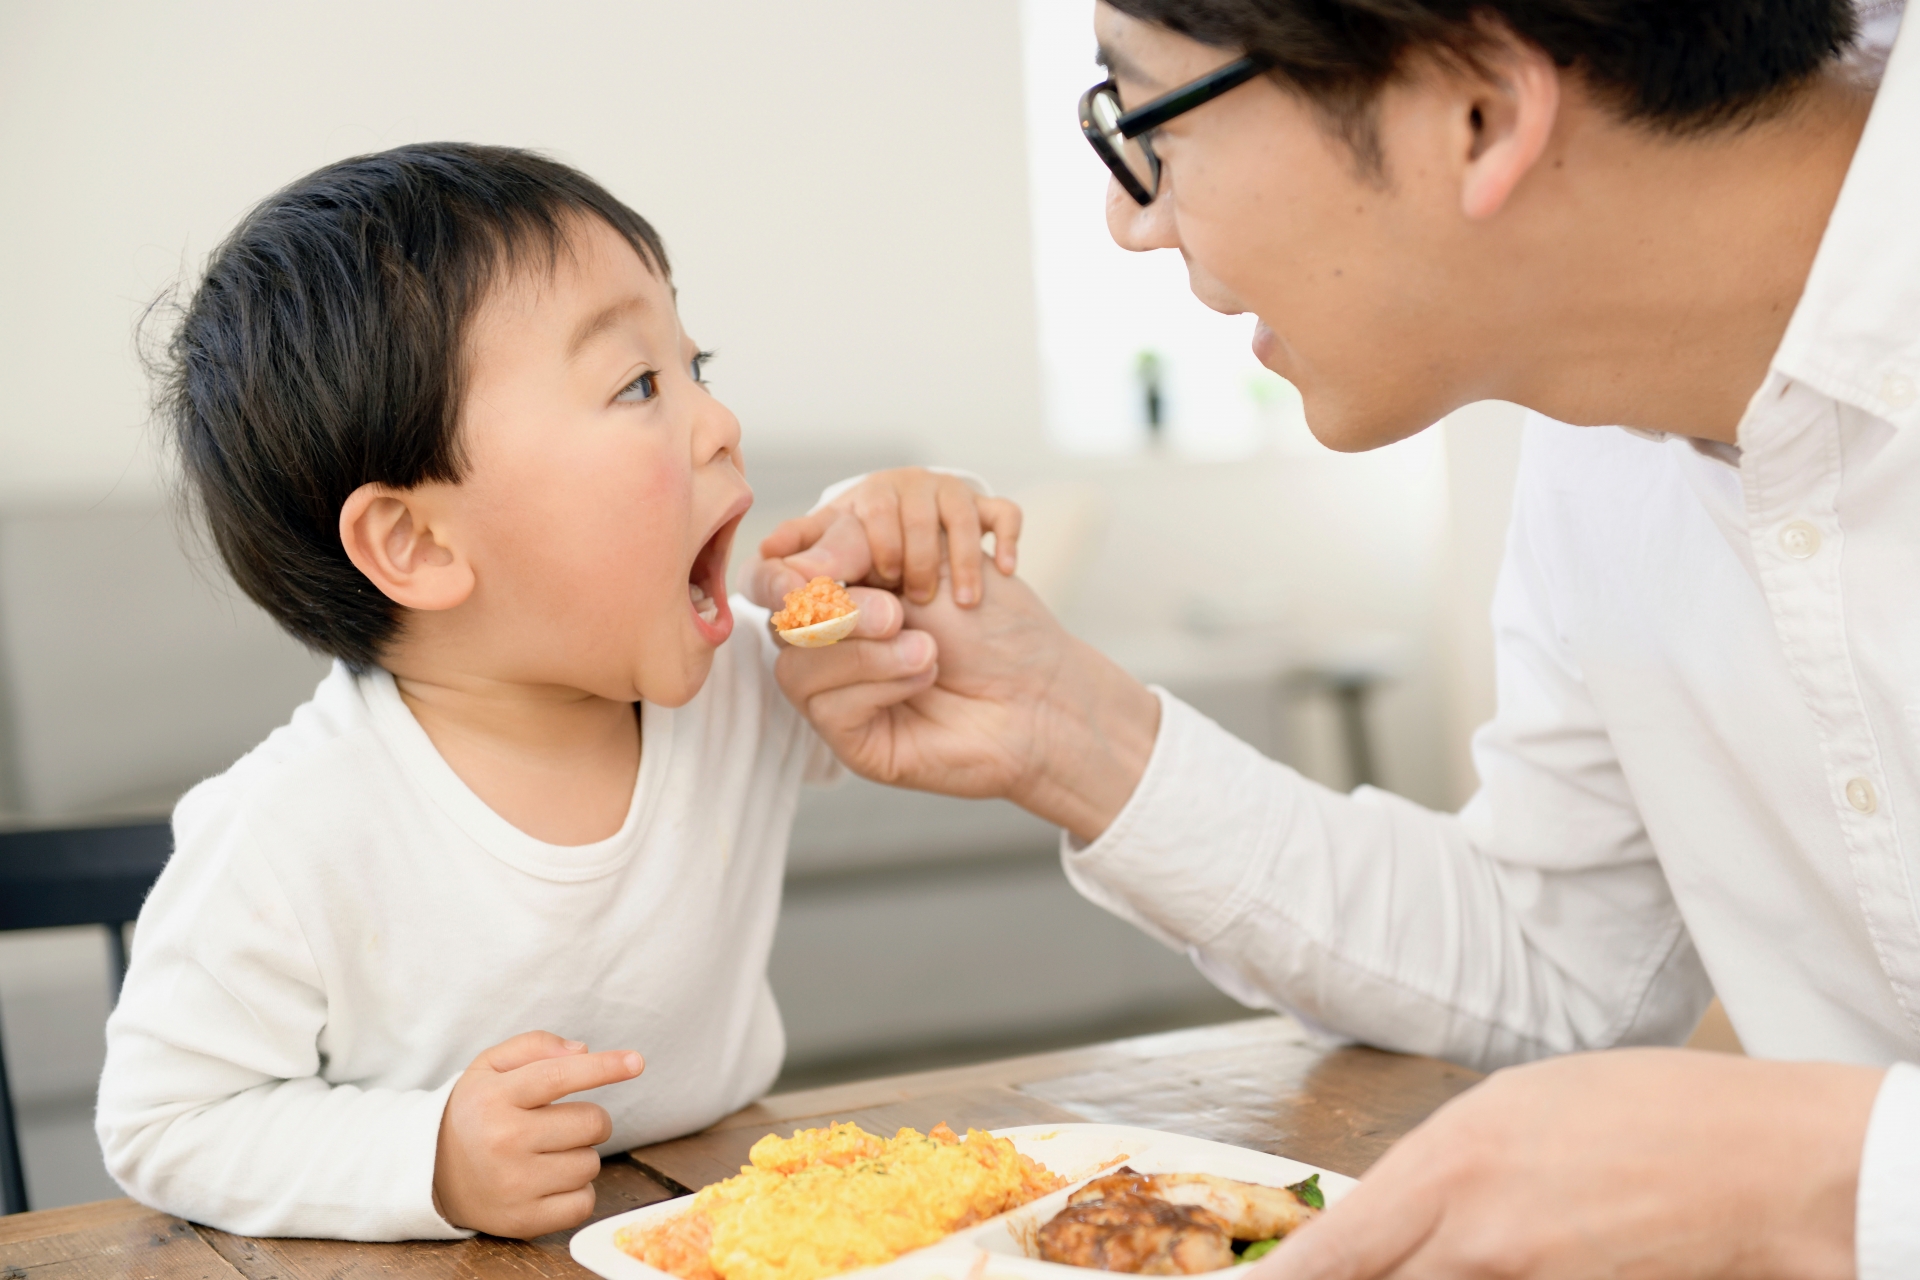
(1704, 772)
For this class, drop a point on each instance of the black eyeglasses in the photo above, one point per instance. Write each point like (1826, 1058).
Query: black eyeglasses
(1120, 137)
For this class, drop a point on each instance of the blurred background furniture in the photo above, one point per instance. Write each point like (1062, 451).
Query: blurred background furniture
(59, 877)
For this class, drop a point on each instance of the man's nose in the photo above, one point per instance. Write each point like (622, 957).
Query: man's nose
(1139, 227)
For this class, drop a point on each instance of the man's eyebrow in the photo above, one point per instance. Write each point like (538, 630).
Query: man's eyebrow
(1118, 65)
(600, 321)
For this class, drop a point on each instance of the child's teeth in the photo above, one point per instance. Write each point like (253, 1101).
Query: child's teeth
(697, 591)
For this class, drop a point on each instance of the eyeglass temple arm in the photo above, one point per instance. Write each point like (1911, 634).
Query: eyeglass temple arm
(1151, 115)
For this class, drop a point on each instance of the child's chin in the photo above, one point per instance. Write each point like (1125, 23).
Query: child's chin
(679, 690)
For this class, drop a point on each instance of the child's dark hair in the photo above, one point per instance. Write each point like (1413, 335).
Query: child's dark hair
(323, 351)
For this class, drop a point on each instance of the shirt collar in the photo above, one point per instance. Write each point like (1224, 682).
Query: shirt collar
(1855, 335)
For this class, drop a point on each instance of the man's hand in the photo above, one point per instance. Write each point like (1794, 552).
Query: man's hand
(996, 700)
(513, 1159)
(1634, 1162)
(892, 530)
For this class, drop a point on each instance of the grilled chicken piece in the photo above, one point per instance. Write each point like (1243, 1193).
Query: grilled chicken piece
(1251, 1211)
(1137, 1234)
(1124, 1181)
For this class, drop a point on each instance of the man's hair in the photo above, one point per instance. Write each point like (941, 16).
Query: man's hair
(323, 350)
(1678, 66)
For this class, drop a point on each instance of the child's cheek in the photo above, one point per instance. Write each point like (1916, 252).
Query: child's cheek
(659, 542)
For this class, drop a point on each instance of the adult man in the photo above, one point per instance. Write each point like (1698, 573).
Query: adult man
(1692, 219)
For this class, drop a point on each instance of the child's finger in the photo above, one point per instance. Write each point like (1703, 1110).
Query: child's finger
(842, 552)
(538, 1083)
(962, 523)
(560, 1211)
(796, 534)
(528, 1046)
(1003, 520)
(920, 531)
(879, 515)
(556, 1172)
(567, 1125)
(768, 581)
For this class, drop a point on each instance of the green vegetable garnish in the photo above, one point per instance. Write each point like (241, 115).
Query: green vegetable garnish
(1255, 1251)
(1309, 1193)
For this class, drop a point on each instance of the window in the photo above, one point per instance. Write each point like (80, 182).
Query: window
(1123, 341)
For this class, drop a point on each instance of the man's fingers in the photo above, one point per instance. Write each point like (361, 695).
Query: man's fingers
(1367, 1234)
(538, 1083)
(1003, 519)
(528, 1046)
(807, 673)
(853, 710)
(961, 520)
(880, 613)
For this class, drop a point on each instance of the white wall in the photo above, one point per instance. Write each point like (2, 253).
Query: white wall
(1100, 306)
(841, 185)
(1482, 443)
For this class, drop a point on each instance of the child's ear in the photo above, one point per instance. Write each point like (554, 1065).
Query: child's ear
(391, 536)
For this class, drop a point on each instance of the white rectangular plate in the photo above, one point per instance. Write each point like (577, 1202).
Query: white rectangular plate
(1077, 1152)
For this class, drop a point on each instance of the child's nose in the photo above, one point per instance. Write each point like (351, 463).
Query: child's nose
(716, 433)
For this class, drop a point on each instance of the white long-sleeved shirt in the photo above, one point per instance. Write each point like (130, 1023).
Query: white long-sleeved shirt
(1704, 771)
(344, 925)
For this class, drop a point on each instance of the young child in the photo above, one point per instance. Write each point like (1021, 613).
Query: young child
(439, 414)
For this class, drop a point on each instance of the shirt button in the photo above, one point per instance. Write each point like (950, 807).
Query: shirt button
(1897, 390)
(1860, 795)
(1800, 540)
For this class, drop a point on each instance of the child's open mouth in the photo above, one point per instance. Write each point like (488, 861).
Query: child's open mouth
(707, 584)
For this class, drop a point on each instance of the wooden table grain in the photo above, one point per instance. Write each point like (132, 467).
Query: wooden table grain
(1260, 1083)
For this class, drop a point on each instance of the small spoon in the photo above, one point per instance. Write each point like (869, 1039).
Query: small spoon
(821, 634)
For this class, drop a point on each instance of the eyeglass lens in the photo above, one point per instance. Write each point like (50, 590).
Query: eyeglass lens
(1132, 151)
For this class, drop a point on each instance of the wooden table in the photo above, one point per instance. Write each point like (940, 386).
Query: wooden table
(1260, 1083)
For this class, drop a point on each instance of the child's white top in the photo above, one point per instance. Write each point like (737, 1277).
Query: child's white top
(344, 925)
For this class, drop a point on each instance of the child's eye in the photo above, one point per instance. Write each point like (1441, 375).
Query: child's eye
(699, 367)
(641, 389)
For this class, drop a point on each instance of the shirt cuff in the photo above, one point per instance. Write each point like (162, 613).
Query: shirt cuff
(420, 1155)
(1886, 1231)
(1180, 859)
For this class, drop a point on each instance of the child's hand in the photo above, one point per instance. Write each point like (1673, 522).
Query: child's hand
(887, 531)
(513, 1160)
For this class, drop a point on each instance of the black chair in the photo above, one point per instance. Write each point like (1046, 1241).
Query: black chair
(59, 876)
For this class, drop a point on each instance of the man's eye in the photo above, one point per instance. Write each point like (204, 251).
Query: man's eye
(699, 367)
(640, 389)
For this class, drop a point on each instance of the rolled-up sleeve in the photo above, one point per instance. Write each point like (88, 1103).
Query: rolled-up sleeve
(1887, 1220)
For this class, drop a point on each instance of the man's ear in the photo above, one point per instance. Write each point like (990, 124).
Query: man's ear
(391, 536)
(1511, 108)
